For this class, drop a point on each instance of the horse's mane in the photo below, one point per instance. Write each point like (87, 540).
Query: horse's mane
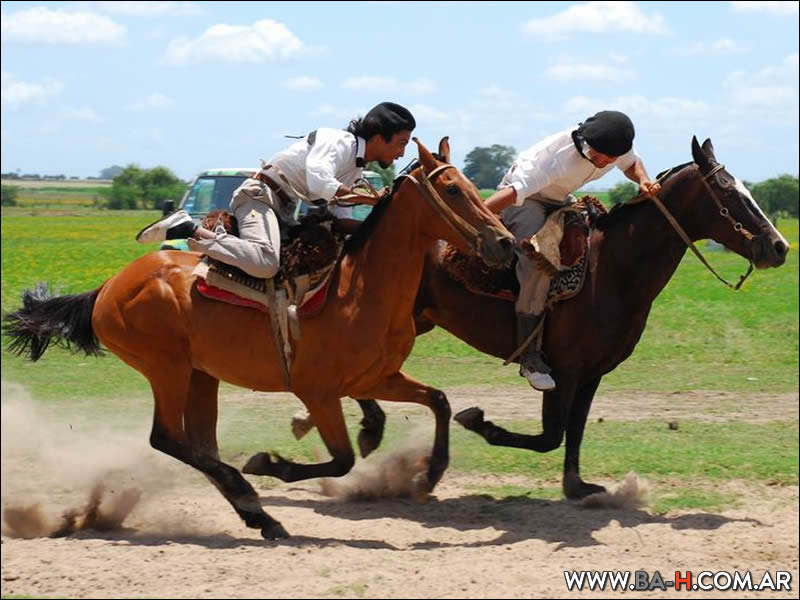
(354, 243)
(623, 210)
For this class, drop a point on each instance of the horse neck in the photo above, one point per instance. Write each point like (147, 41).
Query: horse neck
(641, 253)
(389, 264)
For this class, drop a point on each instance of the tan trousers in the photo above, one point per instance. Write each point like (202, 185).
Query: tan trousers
(524, 221)
(257, 249)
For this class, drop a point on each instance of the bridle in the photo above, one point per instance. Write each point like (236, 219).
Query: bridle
(467, 232)
(723, 211)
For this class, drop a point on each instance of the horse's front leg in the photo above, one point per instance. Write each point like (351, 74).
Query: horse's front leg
(574, 487)
(372, 426)
(325, 413)
(401, 388)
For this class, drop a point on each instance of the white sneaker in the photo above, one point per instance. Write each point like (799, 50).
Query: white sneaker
(539, 381)
(174, 226)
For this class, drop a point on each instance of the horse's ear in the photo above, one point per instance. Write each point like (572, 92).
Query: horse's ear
(699, 155)
(444, 149)
(425, 157)
(708, 148)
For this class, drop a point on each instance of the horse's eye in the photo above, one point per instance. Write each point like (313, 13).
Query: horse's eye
(452, 189)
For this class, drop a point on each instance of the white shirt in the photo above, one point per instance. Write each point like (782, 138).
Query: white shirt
(316, 171)
(552, 169)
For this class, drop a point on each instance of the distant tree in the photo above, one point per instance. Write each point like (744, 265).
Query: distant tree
(110, 172)
(159, 184)
(388, 174)
(135, 187)
(624, 190)
(9, 195)
(778, 197)
(485, 166)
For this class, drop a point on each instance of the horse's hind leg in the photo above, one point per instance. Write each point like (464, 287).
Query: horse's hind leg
(549, 439)
(401, 388)
(574, 487)
(372, 425)
(173, 408)
(326, 414)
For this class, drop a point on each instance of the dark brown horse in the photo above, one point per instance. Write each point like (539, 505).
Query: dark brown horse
(634, 254)
(151, 316)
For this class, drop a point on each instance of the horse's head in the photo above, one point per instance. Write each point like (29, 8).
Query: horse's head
(738, 224)
(456, 210)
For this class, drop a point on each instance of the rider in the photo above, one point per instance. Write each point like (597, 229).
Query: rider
(543, 178)
(323, 166)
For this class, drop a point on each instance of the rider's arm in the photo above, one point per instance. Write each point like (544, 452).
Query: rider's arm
(501, 199)
(638, 174)
(524, 179)
(323, 156)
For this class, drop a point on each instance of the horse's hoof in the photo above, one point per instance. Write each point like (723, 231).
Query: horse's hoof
(582, 489)
(274, 532)
(470, 418)
(256, 464)
(420, 488)
(368, 441)
(301, 424)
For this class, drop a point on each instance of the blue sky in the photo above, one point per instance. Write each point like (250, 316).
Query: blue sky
(194, 85)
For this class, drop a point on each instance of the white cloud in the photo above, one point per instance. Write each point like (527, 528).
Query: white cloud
(156, 100)
(417, 87)
(772, 8)
(16, 93)
(333, 112)
(597, 18)
(665, 114)
(587, 72)
(263, 41)
(618, 57)
(81, 114)
(429, 114)
(722, 46)
(39, 25)
(773, 89)
(149, 9)
(303, 83)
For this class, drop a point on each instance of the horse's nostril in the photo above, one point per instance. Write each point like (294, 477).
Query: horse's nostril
(781, 249)
(507, 243)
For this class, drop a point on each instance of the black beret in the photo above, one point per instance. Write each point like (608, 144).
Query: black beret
(609, 131)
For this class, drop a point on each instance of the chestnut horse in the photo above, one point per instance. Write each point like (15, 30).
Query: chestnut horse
(634, 253)
(153, 318)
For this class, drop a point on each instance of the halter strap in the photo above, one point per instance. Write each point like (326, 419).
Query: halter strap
(722, 211)
(467, 232)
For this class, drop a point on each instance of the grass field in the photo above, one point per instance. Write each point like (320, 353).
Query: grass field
(700, 335)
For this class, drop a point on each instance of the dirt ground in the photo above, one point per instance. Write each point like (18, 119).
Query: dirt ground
(182, 540)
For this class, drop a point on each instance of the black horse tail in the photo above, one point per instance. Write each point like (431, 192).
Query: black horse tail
(43, 318)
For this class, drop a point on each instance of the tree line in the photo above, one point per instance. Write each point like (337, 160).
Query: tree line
(136, 188)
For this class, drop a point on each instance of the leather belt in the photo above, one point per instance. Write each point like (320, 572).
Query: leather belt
(275, 187)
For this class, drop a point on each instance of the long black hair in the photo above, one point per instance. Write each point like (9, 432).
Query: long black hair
(386, 119)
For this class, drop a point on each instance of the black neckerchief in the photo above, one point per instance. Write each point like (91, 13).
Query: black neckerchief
(578, 140)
